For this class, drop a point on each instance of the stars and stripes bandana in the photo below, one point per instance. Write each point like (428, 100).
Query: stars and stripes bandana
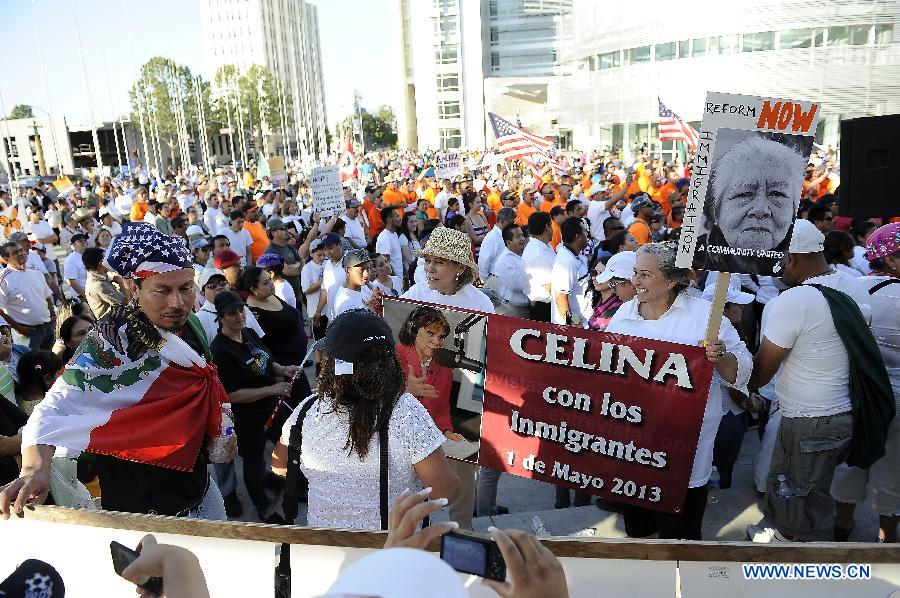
(141, 251)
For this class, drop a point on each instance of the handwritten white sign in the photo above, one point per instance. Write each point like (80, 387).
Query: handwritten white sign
(446, 165)
(327, 193)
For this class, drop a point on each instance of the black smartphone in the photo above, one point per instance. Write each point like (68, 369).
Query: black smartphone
(472, 553)
(122, 556)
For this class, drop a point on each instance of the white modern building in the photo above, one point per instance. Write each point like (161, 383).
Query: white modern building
(842, 53)
(460, 59)
(283, 36)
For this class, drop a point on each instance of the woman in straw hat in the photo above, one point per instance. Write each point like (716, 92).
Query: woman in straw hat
(450, 270)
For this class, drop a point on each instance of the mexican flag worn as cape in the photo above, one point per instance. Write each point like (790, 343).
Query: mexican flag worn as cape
(132, 391)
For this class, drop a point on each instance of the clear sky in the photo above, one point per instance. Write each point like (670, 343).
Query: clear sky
(355, 43)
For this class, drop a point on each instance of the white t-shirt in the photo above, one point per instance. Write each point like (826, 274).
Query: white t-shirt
(388, 243)
(510, 269)
(597, 214)
(207, 316)
(491, 248)
(123, 203)
(341, 299)
(285, 292)
(886, 322)
(467, 297)
(239, 242)
(353, 231)
(814, 376)
(73, 269)
(34, 262)
(569, 276)
(440, 202)
(309, 275)
(209, 219)
(43, 230)
(539, 258)
(859, 261)
(334, 274)
(343, 489)
(23, 295)
(394, 290)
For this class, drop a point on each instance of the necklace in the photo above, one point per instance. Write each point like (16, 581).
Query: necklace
(828, 271)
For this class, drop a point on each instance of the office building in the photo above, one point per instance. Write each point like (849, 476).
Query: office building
(283, 36)
(843, 54)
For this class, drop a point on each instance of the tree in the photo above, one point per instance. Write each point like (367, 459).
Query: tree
(379, 129)
(252, 97)
(21, 111)
(155, 97)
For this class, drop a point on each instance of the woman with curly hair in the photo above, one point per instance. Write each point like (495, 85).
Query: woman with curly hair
(359, 410)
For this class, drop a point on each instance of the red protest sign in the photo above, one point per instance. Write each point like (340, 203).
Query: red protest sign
(612, 415)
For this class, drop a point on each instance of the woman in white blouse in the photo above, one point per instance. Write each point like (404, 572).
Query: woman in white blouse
(361, 395)
(661, 310)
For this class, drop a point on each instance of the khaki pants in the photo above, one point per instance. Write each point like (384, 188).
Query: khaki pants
(807, 451)
(461, 508)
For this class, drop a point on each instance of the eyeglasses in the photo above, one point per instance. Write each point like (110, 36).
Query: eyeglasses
(216, 285)
(617, 228)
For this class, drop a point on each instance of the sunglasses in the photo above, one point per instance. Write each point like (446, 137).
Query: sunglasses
(216, 285)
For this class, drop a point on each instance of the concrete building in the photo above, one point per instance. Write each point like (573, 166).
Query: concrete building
(844, 54)
(460, 59)
(283, 36)
(65, 148)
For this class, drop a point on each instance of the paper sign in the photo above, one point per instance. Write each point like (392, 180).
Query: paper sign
(327, 193)
(746, 183)
(606, 414)
(64, 186)
(277, 172)
(446, 165)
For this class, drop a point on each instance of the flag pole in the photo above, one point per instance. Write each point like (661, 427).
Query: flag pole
(87, 87)
(59, 166)
(141, 105)
(112, 110)
(6, 142)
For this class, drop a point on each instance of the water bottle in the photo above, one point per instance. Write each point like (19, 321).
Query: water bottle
(218, 449)
(715, 478)
(784, 489)
(537, 524)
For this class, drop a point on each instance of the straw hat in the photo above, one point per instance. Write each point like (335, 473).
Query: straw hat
(450, 244)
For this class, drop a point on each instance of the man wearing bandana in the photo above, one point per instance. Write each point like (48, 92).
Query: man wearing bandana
(141, 394)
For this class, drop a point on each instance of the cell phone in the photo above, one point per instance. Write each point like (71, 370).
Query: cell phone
(472, 553)
(122, 556)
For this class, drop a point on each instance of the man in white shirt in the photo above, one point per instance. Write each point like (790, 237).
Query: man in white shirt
(539, 258)
(333, 275)
(569, 278)
(212, 214)
(186, 198)
(238, 236)
(26, 302)
(311, 277)
(388, 242)
(122, 202)
(74, 271)
(355, 230)
(813, 393)
(509, 270)
(353, 294)
(492, 245)
(442, 198)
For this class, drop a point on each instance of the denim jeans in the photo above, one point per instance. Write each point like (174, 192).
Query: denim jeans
(729, 439)
(212, 507)
(226, 478)
(42, 337)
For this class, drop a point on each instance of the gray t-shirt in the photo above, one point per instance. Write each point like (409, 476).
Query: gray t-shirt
(289, 256)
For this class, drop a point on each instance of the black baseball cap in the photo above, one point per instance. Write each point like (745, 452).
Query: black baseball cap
(227, 302)
(352, 332)
(356, 257)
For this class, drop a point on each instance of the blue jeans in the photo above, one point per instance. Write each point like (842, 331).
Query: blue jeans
(212, 507)
(728, 445)
(226, 478)
(42, 337)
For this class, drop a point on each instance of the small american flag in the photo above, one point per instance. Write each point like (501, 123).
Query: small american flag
(516, 143)
(672, 128)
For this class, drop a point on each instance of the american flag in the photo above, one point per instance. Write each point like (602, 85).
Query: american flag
(516, 143)
(672, 128)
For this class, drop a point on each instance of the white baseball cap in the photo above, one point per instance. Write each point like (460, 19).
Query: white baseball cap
(620, 265)
(734, 295)
(399, 573)
(208, 273)
(806, 238)
(596, 188)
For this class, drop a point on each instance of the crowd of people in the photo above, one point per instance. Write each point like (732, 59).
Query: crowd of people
(161, 298)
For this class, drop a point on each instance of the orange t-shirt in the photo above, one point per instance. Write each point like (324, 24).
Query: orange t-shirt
(661, 196)
(430, 194)
(260, 238)
(640, 230)
(392, 196)
(493, 200)
(523, 212)
(557, 235)
(138, 211)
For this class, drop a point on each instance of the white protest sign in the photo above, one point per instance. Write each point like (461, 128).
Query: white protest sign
(277, 173)
(746, 183)
(327, 193)
(446, 165)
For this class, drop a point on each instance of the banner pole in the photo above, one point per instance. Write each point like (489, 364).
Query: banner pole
(718, 307)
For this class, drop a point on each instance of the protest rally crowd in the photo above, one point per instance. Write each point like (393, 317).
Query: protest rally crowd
(134, 308)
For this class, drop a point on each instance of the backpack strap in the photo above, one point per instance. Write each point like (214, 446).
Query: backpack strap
(383, 475)
(883, 284)
(295, 448)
